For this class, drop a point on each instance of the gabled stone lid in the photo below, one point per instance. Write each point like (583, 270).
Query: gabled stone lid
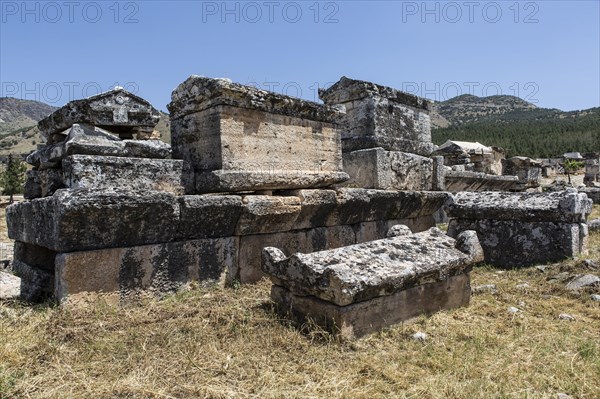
(198, 93)
(564, 206)
(347, 89)
(118, 110)
(372, 269)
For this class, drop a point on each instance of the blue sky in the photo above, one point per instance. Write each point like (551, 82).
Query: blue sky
(547, 52)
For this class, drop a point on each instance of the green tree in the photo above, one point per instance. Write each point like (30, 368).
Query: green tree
(571, 166)
(13, 177)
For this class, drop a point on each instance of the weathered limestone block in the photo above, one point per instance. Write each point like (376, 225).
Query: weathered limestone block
(155, 269)
(239, 138)
(76, 220)
(592, 172)
(316, 206)
(91, 140)
(117, 110)
(593, 193)
(10, 286)
(379, 116)
(36, 283)
(519, 229)
(35, 266)
(206, 216)
(102, 172)
(458, 181)
(439, 174)
(305, 241)
(362, 318)
(376, 230)
(380, 169)
(42, 183)
(316, 239)
(356, 205)
(513, 243)
(529, 171)
(35, 256)
(563, 206)
(357, 289)
(267, 214)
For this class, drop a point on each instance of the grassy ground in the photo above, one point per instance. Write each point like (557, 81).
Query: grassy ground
(229, 343)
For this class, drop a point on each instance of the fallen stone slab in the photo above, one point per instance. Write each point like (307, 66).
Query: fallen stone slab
(583, 281)
(564, 206)
(379, 116)
(10, 286)
(104, 172)
(117, 110)
(357, 289)
(594, 225)
(75, 220)
(240, 138)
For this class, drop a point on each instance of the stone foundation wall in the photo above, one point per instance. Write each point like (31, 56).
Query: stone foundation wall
(126, 242)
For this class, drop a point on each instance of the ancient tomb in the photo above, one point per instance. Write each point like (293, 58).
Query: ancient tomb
(386, 137)
(379, 116)
(240, 138)
(109, 212)
(357, 289)
(522, 229)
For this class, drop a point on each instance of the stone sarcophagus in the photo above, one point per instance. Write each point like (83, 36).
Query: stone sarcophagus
(116, 110)
(521, 229)
(240, 138)
(379, 116)
(360, 288)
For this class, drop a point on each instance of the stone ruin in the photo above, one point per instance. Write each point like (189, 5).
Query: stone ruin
(356, 289)
(523, 229)
(527, 170)
(113, 211)
(109, 212)
(592, 171)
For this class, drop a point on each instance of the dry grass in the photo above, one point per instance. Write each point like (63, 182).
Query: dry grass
(230, 344)
(595, 213)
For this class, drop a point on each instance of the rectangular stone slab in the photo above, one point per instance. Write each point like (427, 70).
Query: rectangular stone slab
(361, 272)
(358, 319)
(380, 169)
(516, 243)
(205, 216)
(75, 220)
(564, 206)
(155, 269)
(457, 181)
(103, 172)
